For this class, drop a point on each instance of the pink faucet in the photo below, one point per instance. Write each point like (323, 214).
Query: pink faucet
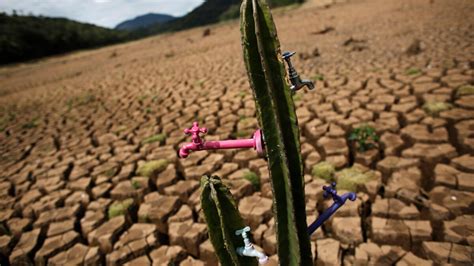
(198, 144)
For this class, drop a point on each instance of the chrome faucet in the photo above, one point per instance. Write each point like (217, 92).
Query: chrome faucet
(296, 82)
(249, 250)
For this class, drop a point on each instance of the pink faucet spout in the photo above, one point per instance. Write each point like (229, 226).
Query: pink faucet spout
(255, 142)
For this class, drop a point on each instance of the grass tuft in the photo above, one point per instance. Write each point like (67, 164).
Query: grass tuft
(119, 208)
(434, 108)
(324, 170)
(155, 138)
(253, 178)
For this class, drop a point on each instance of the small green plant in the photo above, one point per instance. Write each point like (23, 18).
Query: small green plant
(31, 124)
(200, 82)
(155, 138)
(434, 108)
(136, 184)
(324, 170)
(151, 168)
(413, 71)
(253, 178)
(142, 97)
(119, 208)
(365, 137)
(319, 77)
(465, 90)
(86, 99)
(69, 104)
(120, 129)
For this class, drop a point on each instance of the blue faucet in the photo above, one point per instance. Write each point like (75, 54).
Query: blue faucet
(338, 202)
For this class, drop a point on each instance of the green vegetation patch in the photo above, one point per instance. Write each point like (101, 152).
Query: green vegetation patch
(319, 77)
(350, 178)
(28, 37)
(253, 178)
(136, 184)
(31, 124)
(465, 90)
(324, 170)
(434, 108)
(119, 208)
(151, 168)
(413, 71)
(365, 136)
(232, 12)
(155, 138)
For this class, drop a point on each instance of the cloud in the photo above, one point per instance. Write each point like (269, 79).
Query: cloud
(107, 13)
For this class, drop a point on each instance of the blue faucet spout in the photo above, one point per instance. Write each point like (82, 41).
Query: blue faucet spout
(338, 202)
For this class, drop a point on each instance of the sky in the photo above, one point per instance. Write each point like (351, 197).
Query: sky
(106, 13)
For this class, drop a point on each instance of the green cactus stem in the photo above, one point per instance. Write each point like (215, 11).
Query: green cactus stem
(223, 219)
(277, 118)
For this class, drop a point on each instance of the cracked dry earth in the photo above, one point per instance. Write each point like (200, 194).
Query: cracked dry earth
(82, 182)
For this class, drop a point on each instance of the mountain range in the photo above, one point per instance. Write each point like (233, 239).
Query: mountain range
(144, 21)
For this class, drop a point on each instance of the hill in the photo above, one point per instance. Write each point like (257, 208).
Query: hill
(211, 11)
(144, 21)
(28, 37)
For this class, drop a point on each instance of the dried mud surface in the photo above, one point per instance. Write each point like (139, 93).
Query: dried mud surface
(77, 186)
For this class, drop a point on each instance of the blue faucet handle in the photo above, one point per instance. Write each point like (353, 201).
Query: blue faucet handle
(330, 190)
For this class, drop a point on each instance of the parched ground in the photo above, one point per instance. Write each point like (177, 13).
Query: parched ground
(89, 173)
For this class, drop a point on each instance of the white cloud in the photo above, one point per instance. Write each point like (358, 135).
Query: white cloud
(107, 13)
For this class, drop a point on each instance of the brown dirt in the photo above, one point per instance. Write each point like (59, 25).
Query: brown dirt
(73, 128)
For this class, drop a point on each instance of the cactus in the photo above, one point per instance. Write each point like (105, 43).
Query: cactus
(278, 121)
(223, 219)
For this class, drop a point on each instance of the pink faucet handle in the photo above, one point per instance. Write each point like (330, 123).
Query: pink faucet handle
(195, 130)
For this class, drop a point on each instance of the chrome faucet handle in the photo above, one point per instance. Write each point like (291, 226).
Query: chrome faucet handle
(195, 130)
(287, 56)
(296, 82)
(242, 231)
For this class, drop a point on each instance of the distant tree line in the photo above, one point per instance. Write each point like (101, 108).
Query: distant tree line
(27, 37)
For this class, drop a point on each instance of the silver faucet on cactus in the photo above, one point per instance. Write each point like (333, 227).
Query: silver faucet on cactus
(249, 250)
(296, 82)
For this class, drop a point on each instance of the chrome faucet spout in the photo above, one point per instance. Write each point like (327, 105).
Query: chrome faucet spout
(296, 82)
(248, 249)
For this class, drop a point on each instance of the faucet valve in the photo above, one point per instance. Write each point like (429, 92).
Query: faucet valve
(249, 250)
(195, 130)
(296, 82)
(338, 202)
(331, 191)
